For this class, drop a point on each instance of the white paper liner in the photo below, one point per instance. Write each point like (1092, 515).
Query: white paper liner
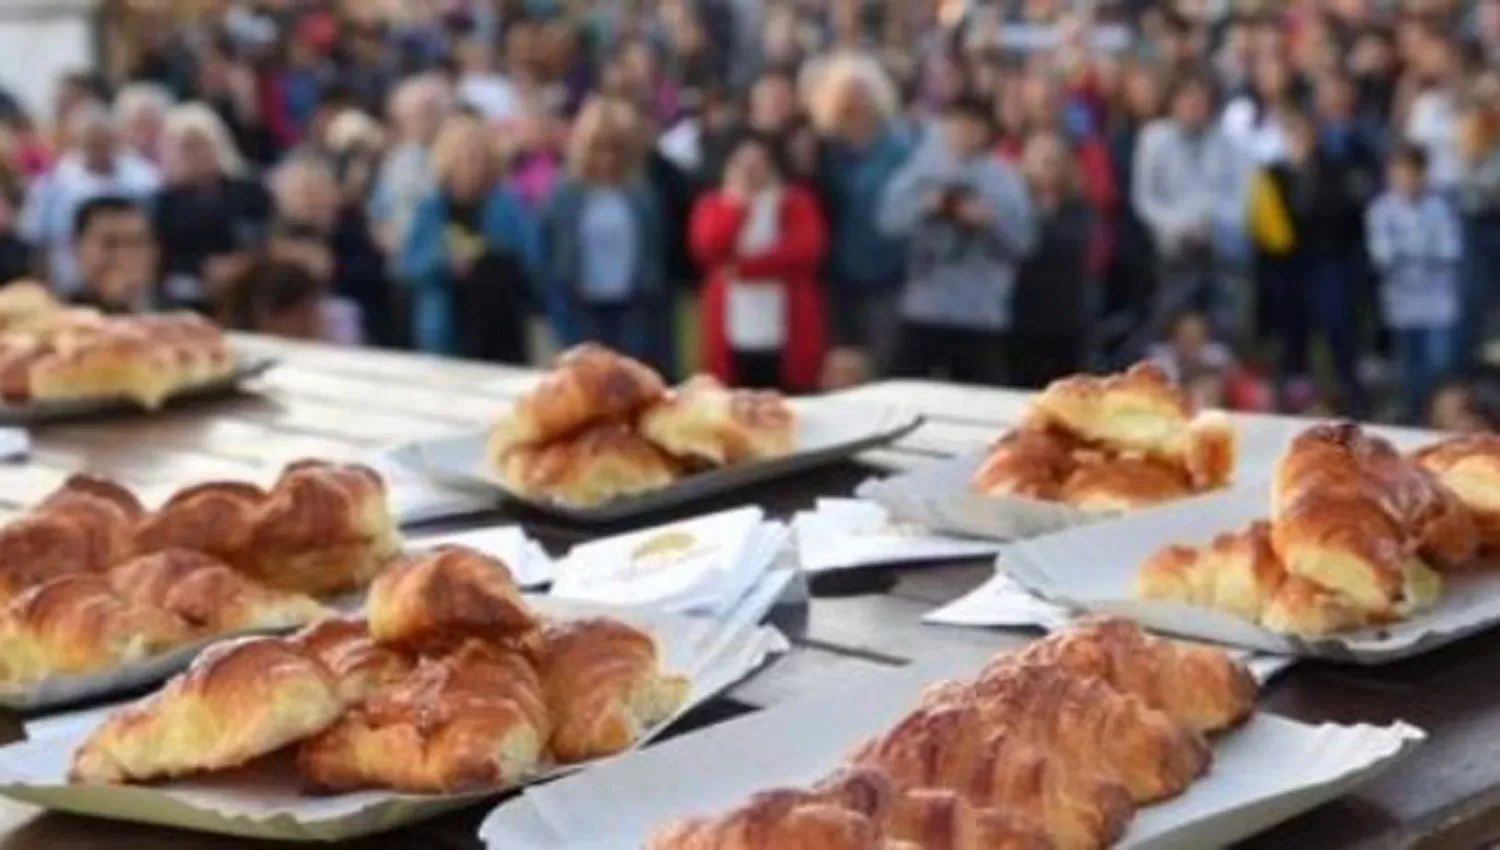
(529, 563)
(845, 534)
(828, 431)
(1093, 568)
(263, 802)
(1264, 772)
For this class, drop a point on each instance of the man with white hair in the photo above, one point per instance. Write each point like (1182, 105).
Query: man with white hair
(141, 112)
(98, 165)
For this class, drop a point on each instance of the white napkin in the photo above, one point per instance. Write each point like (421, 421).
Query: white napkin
(843, 534)
(415, 498)
(529, 563)
(703, 565)
(14, 443)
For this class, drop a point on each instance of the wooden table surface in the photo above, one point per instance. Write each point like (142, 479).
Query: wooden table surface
(345, 404)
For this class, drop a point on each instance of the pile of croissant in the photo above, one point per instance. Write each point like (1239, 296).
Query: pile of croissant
(1114, 443)
(1358, 535)
(1050, 748)
(90, 580)
(52, 352)
(601, 425)
(449, 684)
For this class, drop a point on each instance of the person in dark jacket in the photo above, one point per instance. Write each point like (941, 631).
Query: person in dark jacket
(1305, 264)
(1055, 292)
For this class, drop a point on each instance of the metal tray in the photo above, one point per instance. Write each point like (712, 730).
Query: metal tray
(66, 410)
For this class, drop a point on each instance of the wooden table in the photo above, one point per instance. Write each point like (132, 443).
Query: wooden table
(342, 403)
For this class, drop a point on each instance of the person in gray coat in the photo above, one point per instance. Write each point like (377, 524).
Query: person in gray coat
(969, 224)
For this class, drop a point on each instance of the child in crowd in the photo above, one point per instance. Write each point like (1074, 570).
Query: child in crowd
(287, 293)
(1415, 245)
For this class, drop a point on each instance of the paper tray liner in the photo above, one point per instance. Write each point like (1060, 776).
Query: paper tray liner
(1264, 772)
(1093, 568)
(262, 801)
(59, 410)
(828, 432)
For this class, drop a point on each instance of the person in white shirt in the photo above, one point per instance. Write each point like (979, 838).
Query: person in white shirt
(482, 87)
(97, 166)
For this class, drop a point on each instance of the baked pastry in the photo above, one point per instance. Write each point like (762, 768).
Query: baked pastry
(1469, 466)
(1030, 463)
(1304, 608)
(208, 594)
(1143, 413)
(704, 421)
(474, 719)
(589, 384)
(958, 747)
(928, 818)
(1200, 686)
(1123, 484)
(104, 365)
(444, 596)
(604, 687)
(77, 624)
(601, 463)
(239, 701)
(42, 546)
(25, 304)
(362, 666)
(1086, 725)
(214, 517)
(324, 528)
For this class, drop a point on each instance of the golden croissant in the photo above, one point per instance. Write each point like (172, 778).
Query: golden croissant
(604, 687)
(1469, 466)
(603, 462)
(473, 719)
(208, 594)
(1031, 463)
(363, 667)
(706, 422)
(238, 701)
(77, 624)
(444, 596)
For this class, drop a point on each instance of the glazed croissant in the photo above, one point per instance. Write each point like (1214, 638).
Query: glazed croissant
(707, 422)
(82, 527)
(1104, 485)
(603, 462)
(1201, 687)
(604, 687)
(444, 596)
(928, 818)
(1030, 463)
(1469, 466)
(1086, 725)
(589, 384)
(239, 701)
(214, 518)
(1140, 412)
(208, 595)
(958, 747)
(77, 624)
(474, 719)
(361, 665)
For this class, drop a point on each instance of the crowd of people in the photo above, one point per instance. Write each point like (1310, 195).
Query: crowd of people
(1291, 205)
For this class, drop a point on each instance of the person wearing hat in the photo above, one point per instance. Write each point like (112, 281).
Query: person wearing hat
(968, 224)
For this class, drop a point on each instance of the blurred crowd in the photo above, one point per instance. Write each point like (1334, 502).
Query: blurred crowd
(1290, 205)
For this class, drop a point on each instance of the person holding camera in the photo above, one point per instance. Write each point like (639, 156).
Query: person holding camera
(969, 224)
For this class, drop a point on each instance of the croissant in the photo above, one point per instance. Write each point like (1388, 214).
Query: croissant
(448, 594)
(1030, 463)
(1307, 609)
(589, 384)
(1123, 484)
(1140, 412)
(474, 719)
(1238, 572)
(362, 666)
(323, 528)
(238, 701)
(76, 624)
(958, 747)
(122, 509)
(109, 363)
(1469, 466)
(929, 818)
(214, 518)
(601, 463)
(24, 304)
(707, 422)
(207, 594)
(1201, 687)
(1087, 725)
(604, 687)
(51, 544)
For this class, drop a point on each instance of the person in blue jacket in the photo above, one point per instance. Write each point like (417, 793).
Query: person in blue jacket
(471, 255)
(604, 241)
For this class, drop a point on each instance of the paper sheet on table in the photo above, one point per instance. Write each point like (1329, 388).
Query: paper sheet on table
(529, 563)
(1265, 772)
(842, 534)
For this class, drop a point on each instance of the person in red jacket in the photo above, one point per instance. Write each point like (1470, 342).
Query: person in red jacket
(761, 241)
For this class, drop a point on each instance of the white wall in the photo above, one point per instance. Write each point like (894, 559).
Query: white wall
(40, 40)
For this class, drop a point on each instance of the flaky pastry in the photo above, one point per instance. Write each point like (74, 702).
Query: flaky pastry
(704, 421)
(599, 464)
(208, 594)
(444, 596)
